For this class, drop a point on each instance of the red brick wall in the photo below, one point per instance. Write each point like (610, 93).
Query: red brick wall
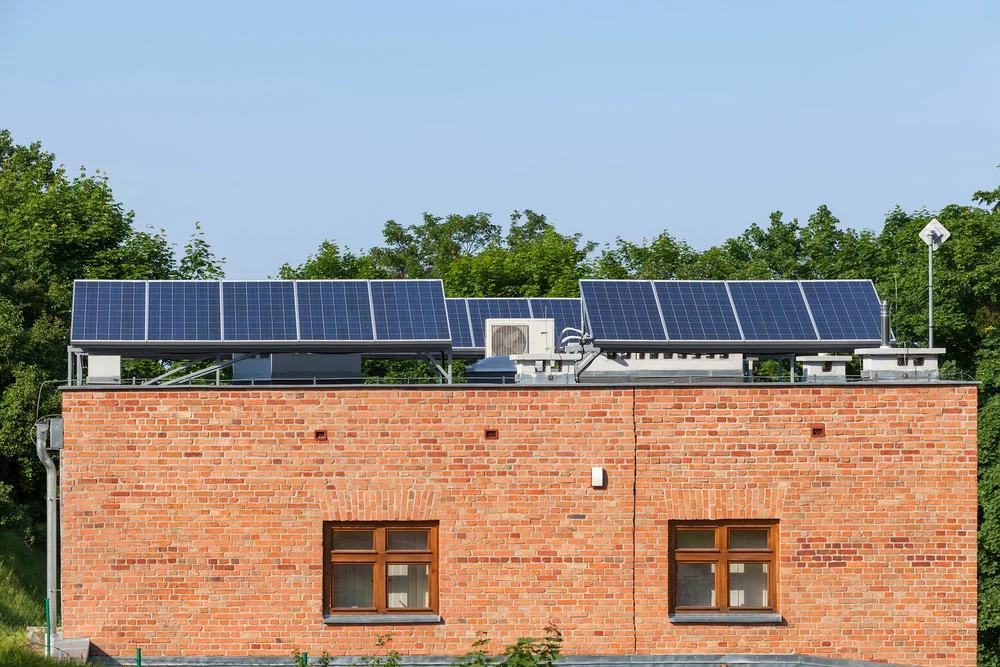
(193, 518)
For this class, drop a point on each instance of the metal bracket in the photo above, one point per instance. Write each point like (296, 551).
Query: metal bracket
(211, 369)
(176, 369)
(445, 373)
(586, 360)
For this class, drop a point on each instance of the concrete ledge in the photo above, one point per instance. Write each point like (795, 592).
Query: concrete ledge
(381, 619)
(706, 660)
(73, 649)
(733, 618)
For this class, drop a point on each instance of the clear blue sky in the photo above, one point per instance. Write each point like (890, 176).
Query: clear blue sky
(280, 124)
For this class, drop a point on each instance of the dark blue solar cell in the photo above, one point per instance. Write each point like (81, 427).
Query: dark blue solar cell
(458, 321)
(184, 310)
(409, 310)
(110, 310)
(482, 309)
(334, 310)
(772, 310)
(697, 310)
(258, 310)
(565, 312)
(622, 310)
(844, 309)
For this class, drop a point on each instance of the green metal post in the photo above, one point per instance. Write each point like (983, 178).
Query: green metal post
(138, 657)
(48, 630)
(305, 659)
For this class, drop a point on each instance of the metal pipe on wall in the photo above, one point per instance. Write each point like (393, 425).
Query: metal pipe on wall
(51, 523)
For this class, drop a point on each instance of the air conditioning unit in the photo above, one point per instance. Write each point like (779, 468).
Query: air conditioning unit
(505, 337)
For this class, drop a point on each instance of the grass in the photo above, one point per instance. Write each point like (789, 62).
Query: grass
(22, 585)
(19, 656)
(22, 602)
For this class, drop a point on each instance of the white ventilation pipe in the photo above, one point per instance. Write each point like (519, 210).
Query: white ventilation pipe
(885, 323)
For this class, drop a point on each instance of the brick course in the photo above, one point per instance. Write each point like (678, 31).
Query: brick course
(192, 518)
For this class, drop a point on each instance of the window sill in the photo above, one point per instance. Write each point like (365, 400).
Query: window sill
(730, 618)
(381, 619)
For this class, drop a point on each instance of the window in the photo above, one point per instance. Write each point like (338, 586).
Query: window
(381, 568)
(723, 567)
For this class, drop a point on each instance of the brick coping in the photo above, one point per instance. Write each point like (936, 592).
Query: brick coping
(114, 388)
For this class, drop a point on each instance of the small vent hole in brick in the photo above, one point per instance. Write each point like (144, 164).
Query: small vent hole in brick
(491, 434)
(818, 431)
(320, 436)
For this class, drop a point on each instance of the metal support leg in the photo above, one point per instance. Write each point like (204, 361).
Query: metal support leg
(205, 371)
(175, 370)
(445, 374)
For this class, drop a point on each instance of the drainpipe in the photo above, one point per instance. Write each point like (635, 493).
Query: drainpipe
(51, 523)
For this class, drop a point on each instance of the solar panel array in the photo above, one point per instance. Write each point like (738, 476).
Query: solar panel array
(265, 311)
(468, 316)
(414, 314)
(664, 313)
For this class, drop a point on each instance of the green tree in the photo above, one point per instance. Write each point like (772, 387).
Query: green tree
(53, 229)
(988, 198)
(330, 263)
(533, 260)
(198, 261)
(662, 258)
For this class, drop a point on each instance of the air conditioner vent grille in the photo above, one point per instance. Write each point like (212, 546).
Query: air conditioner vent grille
(509, 339)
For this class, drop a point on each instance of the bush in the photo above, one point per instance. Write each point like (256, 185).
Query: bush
(525, 652)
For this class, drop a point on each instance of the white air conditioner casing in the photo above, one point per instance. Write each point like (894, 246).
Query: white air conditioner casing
(505, 337)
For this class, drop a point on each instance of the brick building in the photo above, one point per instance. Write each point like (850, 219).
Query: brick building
(810, 521)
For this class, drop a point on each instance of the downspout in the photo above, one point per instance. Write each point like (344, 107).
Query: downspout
(51, 524)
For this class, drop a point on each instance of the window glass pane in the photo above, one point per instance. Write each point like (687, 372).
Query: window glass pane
(696, 539)
(353, 540)
(748, 539)
(353, 586)
(408, 586)
(748, 585)
(407, 540)
(696, 584)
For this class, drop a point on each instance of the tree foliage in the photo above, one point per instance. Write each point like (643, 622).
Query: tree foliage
(55, 228)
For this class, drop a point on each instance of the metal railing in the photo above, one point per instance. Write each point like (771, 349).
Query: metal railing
(624, 378)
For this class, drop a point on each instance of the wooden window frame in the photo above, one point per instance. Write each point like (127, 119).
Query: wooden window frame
(721, 555)
(380, 557)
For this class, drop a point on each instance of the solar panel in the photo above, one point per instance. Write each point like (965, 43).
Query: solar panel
(565, 312)
(409, 310)
(458, 321)
(258, 310)
(334, 310)
(844, 309)
(482, 309)
(697, 310)
(772, 310)
(109, 310)
(184, 310)
(622, 310)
